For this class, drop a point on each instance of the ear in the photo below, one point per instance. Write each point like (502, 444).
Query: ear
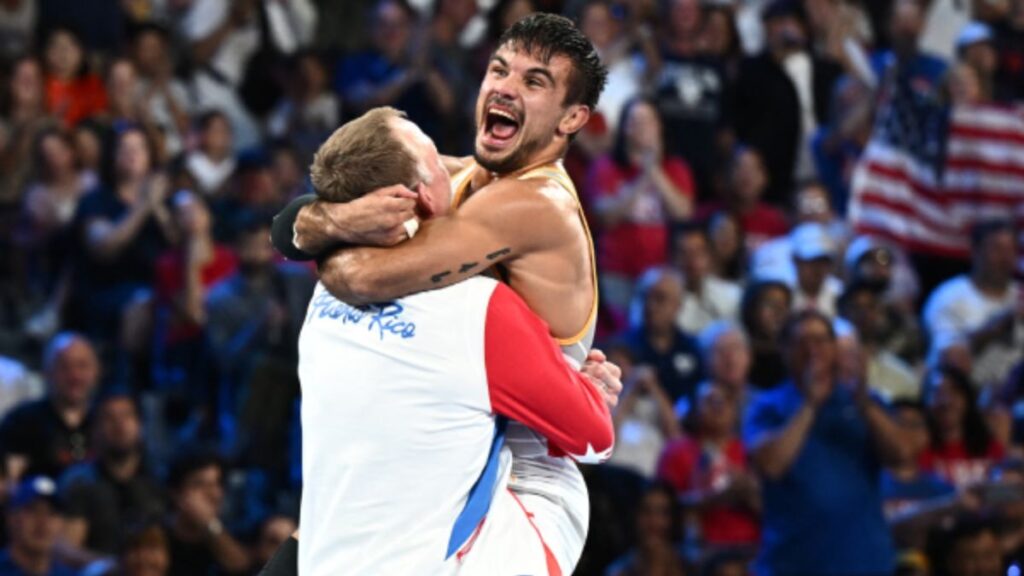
(575, 118)
(425, 205)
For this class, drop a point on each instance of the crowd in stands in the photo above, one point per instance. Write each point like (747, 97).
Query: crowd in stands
(800, 396)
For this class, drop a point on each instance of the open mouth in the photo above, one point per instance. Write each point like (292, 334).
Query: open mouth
(500, 125)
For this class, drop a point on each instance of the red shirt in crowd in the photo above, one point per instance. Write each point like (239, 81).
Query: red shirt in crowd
(170, 283)
(75, 100)
(686, 467)
(953, 464)
(641, 240)
(759, 224)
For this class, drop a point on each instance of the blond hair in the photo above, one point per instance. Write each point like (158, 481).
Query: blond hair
(361, 156)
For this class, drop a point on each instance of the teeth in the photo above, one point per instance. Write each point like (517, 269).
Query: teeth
(503, 114)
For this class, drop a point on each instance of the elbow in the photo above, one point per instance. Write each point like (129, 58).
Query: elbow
(770, 467)
(348, 280)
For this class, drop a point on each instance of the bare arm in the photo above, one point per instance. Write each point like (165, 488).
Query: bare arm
(678, 205)
(229, 554)
(504, 221)
(106, 239)
(307, 228)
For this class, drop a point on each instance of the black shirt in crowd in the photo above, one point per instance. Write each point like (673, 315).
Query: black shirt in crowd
(109, 506)
(35, 430)
(679, 369)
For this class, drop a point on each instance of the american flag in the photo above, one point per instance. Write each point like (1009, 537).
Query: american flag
(929, 173)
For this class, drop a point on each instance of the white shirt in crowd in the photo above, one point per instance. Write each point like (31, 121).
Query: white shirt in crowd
(824, 301)
(717, 300)
(956, 309)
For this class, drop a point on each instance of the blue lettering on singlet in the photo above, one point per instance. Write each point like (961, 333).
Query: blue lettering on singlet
(481, 494)
(383, 319)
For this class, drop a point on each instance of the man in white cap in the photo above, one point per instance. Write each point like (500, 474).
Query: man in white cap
(813, 256)
(975, 46)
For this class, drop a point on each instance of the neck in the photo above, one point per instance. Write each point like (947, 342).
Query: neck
(445, 32)
(694, 283)
(905, 473)
(715, 439)
(950, 435)
(186, 530)
(990, 284)
(30, 562)
(71, 413)
(128, 189)
(661, 338)
(217, 156)
(124, 467)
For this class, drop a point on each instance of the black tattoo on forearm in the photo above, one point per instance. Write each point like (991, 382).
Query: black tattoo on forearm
(468, 266)
(499, 253)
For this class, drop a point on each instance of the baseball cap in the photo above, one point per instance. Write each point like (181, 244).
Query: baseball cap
(862, 247)
(32, 490)
(973, 33)
(811, 241)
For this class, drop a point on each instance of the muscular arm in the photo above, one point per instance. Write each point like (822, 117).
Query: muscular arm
(504, 221)
(529, 381)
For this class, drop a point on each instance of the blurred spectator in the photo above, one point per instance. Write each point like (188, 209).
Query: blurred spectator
(52, 197)
(814, 256)
(398, 72)
(657, 530)
(89, 136)
(48, 435)
(748, 181)
(962, 451)
(165, 100)
(1009, 84)
(728, 247)
(888, 375)
(708, 298)
(184, 276)
(690, 91)
(17, 27)
(975, 47)
(984, 309)
(222, 37)
(33, 522)
(22, 112)
(213, 162)
(288, 170)
(709, 472)
(449, 42)
(106, 497)
(967, 547)
(837, 145)
(72, 92)
(727, 359)
(18, 385)
(965, 86)
(604, 28)
(253, 322)
(637, 190)
(915, 499)
(273, 532)
(309, 112)
(199, 542)
(120, 230)
(145, 552)
(765, 306)
(654, 337)
(644, 419)
(49, 206)
(782, 95)
(819, 447)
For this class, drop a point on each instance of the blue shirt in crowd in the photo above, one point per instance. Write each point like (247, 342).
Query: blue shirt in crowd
(925, 486)
(8, 568)
(823, 517)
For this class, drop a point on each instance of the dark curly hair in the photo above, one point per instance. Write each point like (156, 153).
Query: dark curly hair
(545, 35)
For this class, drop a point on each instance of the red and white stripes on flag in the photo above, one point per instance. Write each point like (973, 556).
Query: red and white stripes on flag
(895, 195)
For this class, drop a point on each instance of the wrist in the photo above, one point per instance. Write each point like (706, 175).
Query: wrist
(214, 528)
